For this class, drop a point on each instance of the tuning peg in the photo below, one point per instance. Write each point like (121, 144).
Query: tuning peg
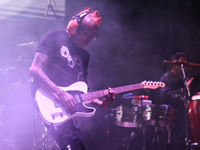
(162, 84)
(155, 83)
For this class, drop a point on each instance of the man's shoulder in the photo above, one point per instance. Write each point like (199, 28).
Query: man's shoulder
(165, 76)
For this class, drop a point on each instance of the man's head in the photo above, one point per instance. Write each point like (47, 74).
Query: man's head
(177, 55)
(83, 28)
(176, 68)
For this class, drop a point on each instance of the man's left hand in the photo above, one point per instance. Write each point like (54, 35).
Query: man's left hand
(109, 97)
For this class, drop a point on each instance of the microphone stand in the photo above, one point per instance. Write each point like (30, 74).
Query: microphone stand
(143, 126)
(156, 137)
(49, 6)
(186, 104)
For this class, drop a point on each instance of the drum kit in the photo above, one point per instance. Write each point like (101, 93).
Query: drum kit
(17, 71)
(145, 113)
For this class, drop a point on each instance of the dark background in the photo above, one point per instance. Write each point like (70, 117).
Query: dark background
(135, 37)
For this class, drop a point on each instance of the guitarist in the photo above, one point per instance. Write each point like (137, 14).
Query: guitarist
(61, 60)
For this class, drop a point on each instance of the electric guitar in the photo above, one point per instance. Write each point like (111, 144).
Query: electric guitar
(53, 113)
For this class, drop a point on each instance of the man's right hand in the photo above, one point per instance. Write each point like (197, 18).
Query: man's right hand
(68, 101)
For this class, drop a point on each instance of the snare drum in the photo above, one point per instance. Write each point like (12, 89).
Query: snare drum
(126, 117)
(164, 113)
(194, 119)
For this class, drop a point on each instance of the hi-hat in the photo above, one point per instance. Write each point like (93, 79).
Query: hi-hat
(185, 64)
(31, 43)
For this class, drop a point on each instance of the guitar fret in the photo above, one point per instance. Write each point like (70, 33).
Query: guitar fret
(127, 88)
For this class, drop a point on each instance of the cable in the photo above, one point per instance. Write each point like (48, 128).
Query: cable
(49, 131)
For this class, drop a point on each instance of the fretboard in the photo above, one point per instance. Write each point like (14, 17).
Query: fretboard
(117, 90)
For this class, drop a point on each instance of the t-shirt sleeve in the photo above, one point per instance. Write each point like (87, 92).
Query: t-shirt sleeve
(47, 44)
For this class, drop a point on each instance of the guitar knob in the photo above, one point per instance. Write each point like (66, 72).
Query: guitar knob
(53, 117)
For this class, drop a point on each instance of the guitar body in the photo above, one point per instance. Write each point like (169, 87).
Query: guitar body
(53, 113)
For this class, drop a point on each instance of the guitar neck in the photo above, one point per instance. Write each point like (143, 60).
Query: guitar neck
(117, 90)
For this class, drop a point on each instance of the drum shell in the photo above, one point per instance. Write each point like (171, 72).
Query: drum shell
(126, 117)
(194, 119)
(165, 115)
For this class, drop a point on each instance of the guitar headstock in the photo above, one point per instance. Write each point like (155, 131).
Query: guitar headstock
(153, 84)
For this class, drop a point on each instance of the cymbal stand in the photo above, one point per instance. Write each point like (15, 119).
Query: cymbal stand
(143, 127)
(186, 104)
(156, 138)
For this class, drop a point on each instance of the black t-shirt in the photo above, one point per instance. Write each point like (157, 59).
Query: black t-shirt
(172, 94)
(67, 62)
(172, 91)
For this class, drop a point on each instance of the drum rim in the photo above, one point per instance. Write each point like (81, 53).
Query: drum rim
(195, 97)
(127, 124)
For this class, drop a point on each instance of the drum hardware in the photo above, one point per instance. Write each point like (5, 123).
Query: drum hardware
(186, 98)
(17, 71)
(141, 101)
(155, 140)
(23, 57)
(22, 64)
(141, 98)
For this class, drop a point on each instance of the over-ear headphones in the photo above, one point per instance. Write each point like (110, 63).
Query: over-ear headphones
(76, 22)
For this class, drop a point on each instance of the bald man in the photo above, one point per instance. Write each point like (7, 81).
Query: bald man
(60, 61)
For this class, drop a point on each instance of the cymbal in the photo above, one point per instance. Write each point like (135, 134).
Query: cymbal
(31, 43)
(185, 64)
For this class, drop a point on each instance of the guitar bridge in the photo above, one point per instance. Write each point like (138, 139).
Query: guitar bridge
(54, 115)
